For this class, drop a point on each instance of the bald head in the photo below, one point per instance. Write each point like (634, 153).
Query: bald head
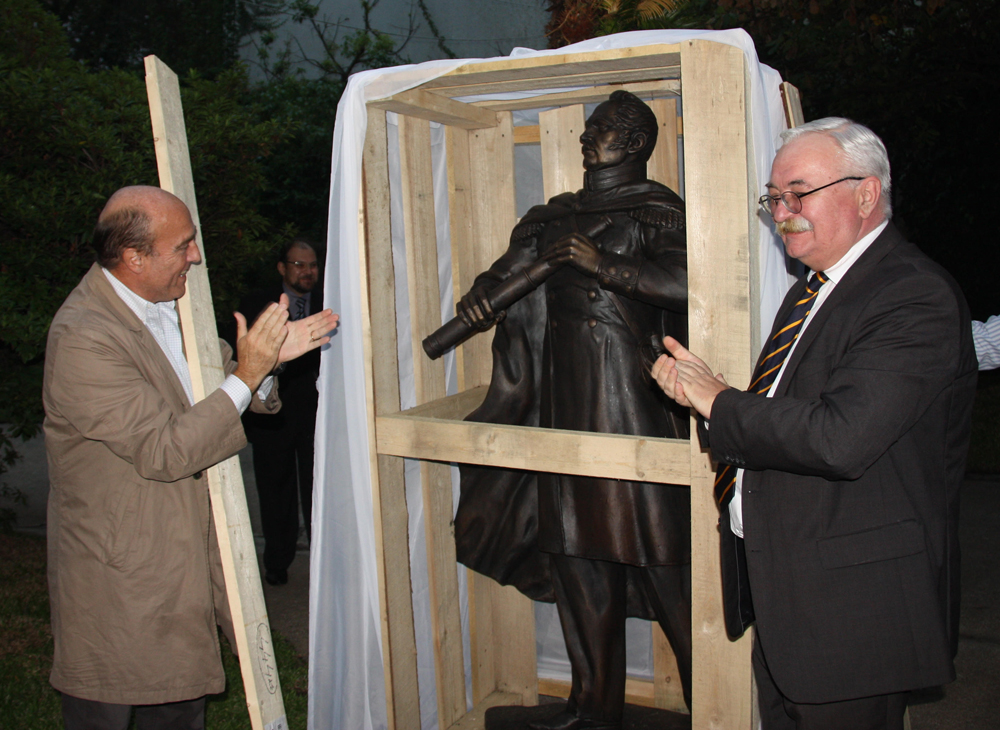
(128, 221)
(146, 238)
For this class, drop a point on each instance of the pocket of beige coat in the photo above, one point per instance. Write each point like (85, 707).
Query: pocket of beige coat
(124, 527)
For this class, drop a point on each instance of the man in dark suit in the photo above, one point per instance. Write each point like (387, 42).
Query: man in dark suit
(283, 442)
(843, 461)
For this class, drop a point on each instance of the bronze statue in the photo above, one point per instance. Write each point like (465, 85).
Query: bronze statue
(575, 353)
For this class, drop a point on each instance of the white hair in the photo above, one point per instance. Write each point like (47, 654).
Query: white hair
(863, 150)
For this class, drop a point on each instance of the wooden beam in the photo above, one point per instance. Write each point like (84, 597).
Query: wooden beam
(392, 547)
(562, 160)
(664, 165)
(437, 108)
(602, 78)
(225, 480)
(791, 100)
(662, 60)
(475, 719)
(527, 134)
(607, 455)
(428, 376)
(643, 89)
(719, 324)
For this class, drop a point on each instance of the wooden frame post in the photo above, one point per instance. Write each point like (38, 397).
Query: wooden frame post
(225, 480)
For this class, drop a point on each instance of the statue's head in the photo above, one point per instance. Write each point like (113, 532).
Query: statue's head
(621, 131)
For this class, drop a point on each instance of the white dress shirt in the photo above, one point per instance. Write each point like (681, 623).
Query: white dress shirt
(834, 274)
(162, 322)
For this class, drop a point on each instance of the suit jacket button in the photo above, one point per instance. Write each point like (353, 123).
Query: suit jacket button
(591, 323)
(592, 294)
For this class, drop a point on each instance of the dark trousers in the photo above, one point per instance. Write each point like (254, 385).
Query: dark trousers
(81, 714)
(591, 600)
(283, 468)
(777, 712)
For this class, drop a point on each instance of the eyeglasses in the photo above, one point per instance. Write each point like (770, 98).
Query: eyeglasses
(792, 200)
(304, 264)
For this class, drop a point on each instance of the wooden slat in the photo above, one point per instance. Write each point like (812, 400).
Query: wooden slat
(607, 455)
(498, 75)
(225, 480)
(475, 719)
(428, 375)
(643, 89)
(603, 78)
(527, 134)
(792, 101)
(719, 324)
(437, 108)
(562, 161)
(663, 165)
(493, 215)
(392, 551)
(463, 241)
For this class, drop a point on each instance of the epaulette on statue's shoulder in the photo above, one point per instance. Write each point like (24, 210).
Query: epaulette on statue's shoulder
(670, 218)
(526, 230)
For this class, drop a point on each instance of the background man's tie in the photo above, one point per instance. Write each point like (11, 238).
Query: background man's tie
(300, 308)
(768, 367)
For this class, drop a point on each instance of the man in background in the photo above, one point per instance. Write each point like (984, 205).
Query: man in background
(135, 576)
(283, 442)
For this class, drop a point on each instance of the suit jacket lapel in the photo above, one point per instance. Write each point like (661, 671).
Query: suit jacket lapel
(148, 349)
(859, 272)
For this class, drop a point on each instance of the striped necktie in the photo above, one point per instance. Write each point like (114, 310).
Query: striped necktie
(766, 372)
(300, 309)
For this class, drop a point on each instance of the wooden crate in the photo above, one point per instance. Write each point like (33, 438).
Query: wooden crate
(720, 184)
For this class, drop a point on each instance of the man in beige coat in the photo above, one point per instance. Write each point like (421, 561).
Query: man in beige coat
(134, 574)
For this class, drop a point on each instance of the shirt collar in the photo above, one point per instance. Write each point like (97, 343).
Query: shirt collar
(139, 306)
(836, 272)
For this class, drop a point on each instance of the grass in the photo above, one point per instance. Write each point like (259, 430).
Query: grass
(27, 699)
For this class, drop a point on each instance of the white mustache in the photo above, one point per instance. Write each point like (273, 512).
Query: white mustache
(793, 225)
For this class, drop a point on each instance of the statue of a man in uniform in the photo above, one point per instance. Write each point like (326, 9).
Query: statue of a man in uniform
(575, 354)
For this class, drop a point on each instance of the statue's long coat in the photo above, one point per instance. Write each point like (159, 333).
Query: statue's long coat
(574, 355)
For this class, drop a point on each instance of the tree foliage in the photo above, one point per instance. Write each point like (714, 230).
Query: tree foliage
(919, 72)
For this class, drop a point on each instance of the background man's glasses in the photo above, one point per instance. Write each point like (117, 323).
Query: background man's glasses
(304, 264)
(792, 200)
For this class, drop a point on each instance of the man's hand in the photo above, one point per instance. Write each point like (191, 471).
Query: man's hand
(686, 378)
(257, 350)
(577, 250)
(307, 333)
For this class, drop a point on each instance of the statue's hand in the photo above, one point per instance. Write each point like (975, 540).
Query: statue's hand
(474, 309)
(577, 250)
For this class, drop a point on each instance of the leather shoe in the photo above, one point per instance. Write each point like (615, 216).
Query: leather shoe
(566, 720)
(276, 577)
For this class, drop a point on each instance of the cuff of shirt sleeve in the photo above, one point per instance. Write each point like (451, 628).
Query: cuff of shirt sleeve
(238, 391)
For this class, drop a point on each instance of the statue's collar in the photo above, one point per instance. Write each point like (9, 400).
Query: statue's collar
(612, 177)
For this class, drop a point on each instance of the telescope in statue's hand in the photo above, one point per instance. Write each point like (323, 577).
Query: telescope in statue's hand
(500, 297)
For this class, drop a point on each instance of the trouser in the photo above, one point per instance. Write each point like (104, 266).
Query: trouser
(79, 714)
(777, 712)
(591, 600)
(283, 468)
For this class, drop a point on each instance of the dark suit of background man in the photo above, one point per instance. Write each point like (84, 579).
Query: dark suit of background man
(849, 467)
(283, 443)
(576, 355)
(135, 576)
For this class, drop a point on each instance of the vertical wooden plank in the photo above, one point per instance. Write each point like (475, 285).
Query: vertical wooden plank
(562, 160)
(463, 243)
(225, 480)
(668, 692)
(428, 375)
(719, 322)
(392, 552)
(493, 215)
(792, 101)
(663, 165)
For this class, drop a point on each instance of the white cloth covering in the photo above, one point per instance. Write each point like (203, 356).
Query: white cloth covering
(346, 680)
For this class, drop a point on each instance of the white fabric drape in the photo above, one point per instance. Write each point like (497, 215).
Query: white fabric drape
(346, 681)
